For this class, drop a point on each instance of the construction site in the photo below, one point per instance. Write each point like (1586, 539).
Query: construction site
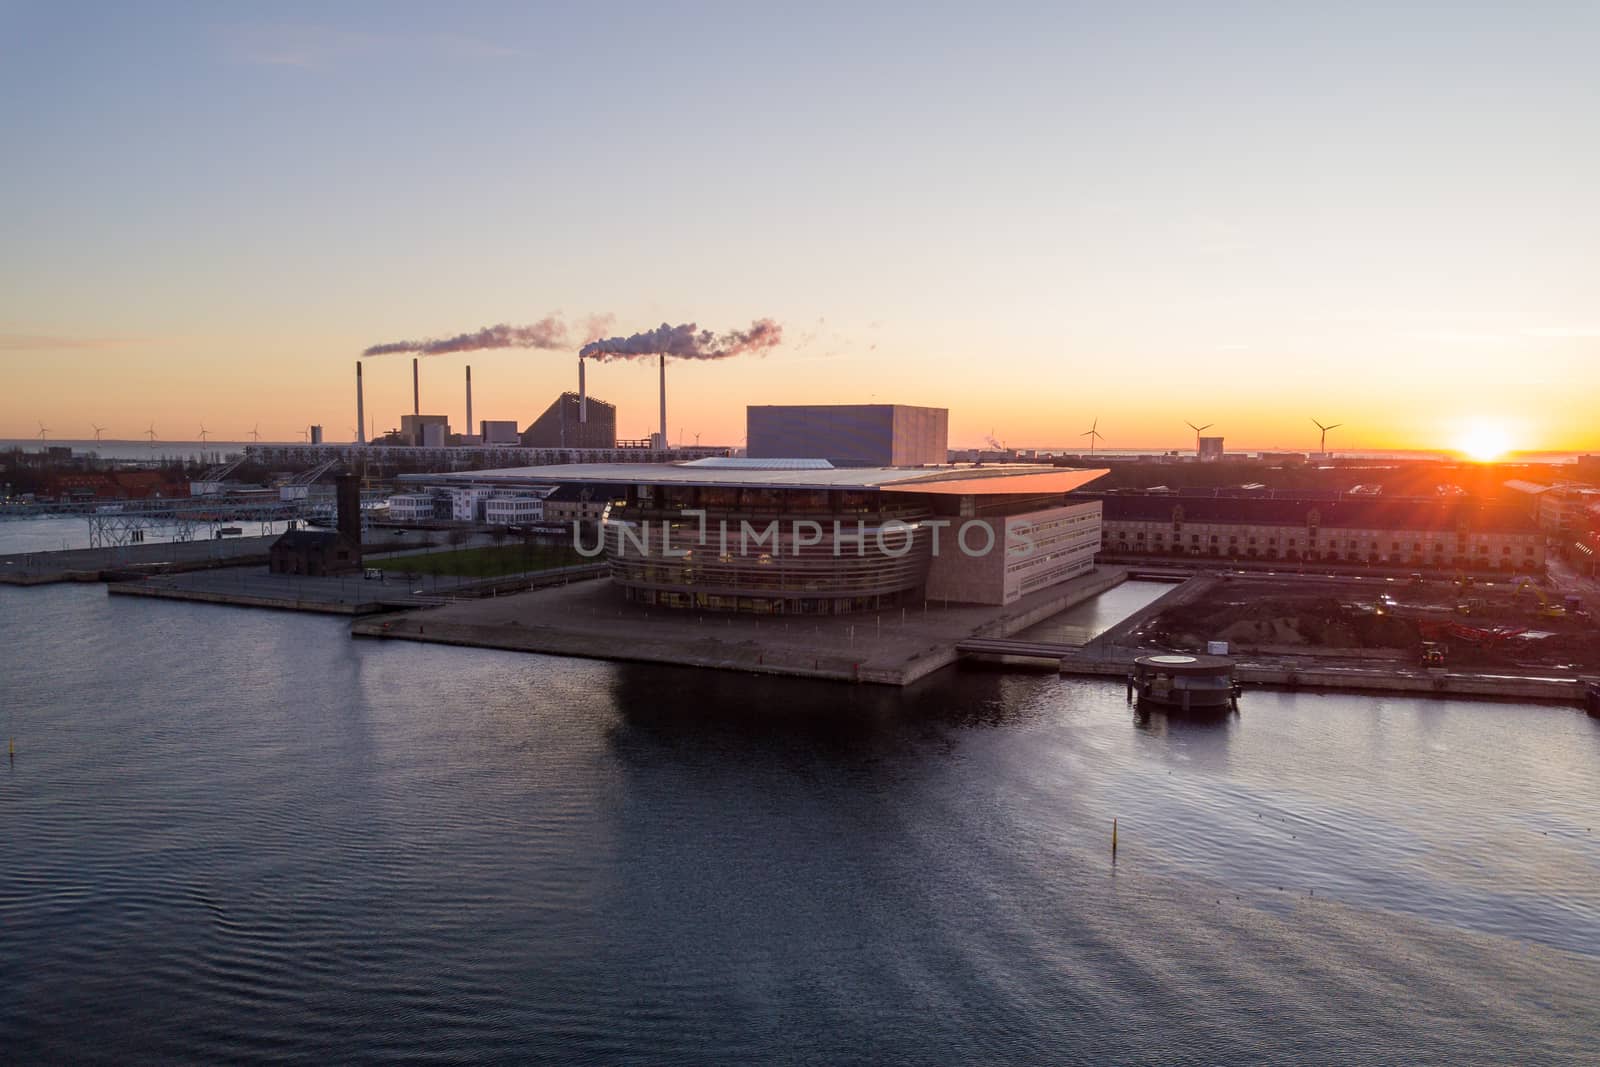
(1456, 623)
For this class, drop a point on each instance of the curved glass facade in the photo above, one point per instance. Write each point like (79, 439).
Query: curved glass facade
(799, 562)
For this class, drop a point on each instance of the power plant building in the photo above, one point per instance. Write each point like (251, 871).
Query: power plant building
(563, 426)
(499, 432)
(849, 435)
(802, 537)
(430, 431)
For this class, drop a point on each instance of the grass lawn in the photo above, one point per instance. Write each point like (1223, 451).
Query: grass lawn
(488, 562)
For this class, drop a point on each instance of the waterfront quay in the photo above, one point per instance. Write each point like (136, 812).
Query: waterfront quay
(95, 564)
(115, 562)
(594, 619)
(348, 594)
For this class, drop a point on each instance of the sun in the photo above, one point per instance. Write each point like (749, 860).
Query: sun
(1484, 442)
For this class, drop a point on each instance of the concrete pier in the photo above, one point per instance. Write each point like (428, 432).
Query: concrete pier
(894, 647)
(253, 587)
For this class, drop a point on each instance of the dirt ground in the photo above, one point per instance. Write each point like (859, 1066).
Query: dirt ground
(1478, 624)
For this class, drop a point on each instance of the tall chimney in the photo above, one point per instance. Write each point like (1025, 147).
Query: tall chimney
(663, 400)
(583, 395)
(348, 497)
(416, 390)
(469, 399)
(361, 419)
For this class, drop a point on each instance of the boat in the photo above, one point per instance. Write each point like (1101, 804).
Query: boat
(1185, 682)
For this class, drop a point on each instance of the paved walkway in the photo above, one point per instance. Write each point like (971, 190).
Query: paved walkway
(592, 619)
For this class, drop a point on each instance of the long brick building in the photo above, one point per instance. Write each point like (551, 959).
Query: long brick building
(1413, 533)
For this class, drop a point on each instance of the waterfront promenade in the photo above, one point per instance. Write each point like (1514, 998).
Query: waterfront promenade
(895, 647)
(91, 564)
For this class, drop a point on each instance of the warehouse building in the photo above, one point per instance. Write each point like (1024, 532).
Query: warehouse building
(318, 553)
(1414, 534)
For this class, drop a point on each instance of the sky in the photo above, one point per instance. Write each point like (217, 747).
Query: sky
(1250, 215)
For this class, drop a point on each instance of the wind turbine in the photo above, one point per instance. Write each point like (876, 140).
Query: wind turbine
(255, 432)
(1325, 430)
(44, 432)
(305, 433)
(203, 432)
(1093, 433)
(151, 433)
(98, 430)
(1198, 430)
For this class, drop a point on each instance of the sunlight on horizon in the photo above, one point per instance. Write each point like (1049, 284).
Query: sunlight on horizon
(1484, 440)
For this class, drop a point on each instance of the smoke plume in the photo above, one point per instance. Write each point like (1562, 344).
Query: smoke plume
(550, 333)
(686, 342)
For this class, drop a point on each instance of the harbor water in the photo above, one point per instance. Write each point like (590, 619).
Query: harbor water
(235, 835)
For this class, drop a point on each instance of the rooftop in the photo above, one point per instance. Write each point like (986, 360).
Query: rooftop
(963, 479)
(1377, 513)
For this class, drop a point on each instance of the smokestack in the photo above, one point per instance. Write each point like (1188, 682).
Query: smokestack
(469, 400)
(348, 497)
(583, 395)
(361, 419)
(663, 401)
(416, 390)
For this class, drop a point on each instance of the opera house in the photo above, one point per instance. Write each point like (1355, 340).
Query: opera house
(803, 537)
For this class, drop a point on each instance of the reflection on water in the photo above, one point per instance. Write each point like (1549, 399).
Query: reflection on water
(1081, 624)
(243, 835)
(1166, 722)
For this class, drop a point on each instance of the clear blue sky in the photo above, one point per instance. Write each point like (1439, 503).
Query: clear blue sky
(1251, 213)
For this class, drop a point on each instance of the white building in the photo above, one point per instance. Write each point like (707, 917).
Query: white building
(504, 510)
(411, 507)
(500, 432)
(466, 501)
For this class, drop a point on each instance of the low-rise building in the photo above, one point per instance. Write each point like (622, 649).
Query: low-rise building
(1416, 533)
(513, 510)
(413, 507)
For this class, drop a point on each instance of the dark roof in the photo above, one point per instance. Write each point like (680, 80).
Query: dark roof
(577, 491)
(307, 538)
(1373, 514)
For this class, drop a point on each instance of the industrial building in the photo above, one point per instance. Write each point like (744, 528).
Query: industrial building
(499, 432)
(849, 435)
(1414, 534)
(425, 431)
(1210, 450)
(563, 425)
(804, 537)
(317, 553)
